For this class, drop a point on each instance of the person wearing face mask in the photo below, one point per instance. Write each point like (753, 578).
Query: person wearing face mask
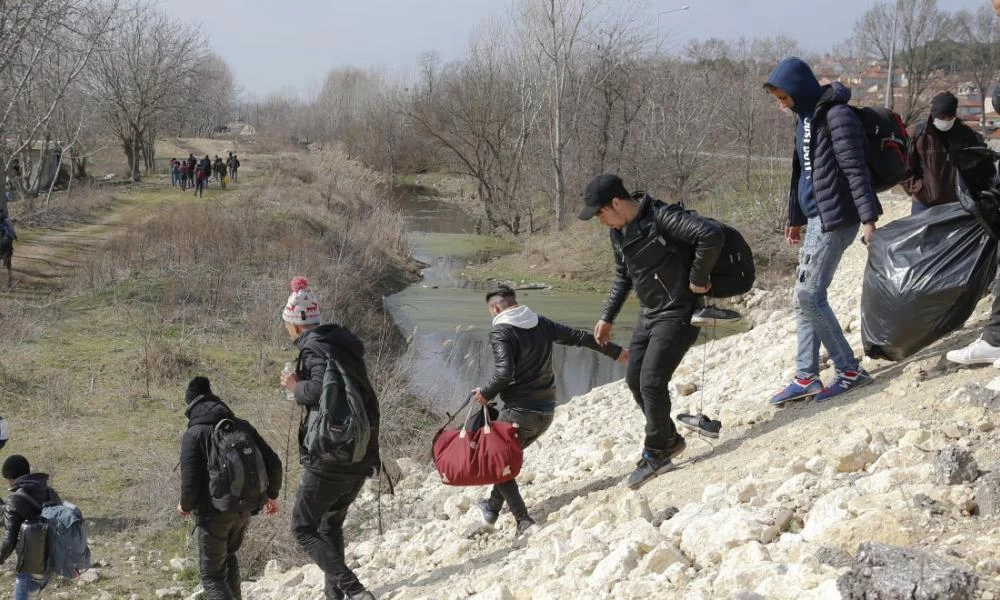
(933, 145)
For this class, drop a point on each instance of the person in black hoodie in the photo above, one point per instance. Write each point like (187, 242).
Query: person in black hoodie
(220, 534)
(667, 255)
(327, 489)
(29, 491)
(522, 344)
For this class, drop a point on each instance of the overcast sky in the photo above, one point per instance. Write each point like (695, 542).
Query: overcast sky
(275, 44)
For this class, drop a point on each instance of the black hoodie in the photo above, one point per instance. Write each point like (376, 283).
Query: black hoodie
(203, 414)
(314, 345)
(19, 509)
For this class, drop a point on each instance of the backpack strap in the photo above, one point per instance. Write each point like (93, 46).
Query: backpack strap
(20, 492)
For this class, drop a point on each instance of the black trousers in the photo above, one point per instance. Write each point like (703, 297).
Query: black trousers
(220, 535)
(657, 347)
(318, 525)
(530, 425)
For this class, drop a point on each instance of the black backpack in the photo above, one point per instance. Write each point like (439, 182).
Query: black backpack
(888, 145)
(339, 430)
(734, 273)
(237, 476)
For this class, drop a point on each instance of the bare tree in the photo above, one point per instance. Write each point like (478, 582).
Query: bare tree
(482, 113)
(45, 45)
(980, 39)
(919, 52)
(140, 71)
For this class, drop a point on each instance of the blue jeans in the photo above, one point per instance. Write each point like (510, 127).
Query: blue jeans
(818, 260)
(28, 586)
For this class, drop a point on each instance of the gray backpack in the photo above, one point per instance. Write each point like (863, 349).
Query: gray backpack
(338, 430)
(56, 542)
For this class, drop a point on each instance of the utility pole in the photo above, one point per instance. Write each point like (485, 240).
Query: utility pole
(664, 12)
(889, 94)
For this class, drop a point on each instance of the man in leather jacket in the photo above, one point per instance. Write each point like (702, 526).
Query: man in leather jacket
(29, 491)
(666, 254)
(523, 378)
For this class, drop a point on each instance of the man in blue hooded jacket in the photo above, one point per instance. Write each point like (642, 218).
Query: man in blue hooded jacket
(831, 195)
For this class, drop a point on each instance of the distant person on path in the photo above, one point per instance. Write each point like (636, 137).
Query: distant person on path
(192, 164)
(219, 168)
(934, 145)
(666, 254)
(327, 488)
(6, 223)
(523, 379)
(234, 168)
(174, 174)
(203, 174)
(831, 194)
(182, 171)
(220, 532)
(29, 491)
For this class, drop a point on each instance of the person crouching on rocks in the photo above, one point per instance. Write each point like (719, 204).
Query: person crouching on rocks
(666, 254)
(522, 346)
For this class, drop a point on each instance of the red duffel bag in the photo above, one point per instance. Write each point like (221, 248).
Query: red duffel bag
(485, 456)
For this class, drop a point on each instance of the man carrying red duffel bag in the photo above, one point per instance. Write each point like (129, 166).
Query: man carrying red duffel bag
(522, 376)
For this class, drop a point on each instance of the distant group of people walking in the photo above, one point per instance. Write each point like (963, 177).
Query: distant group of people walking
(194, 173)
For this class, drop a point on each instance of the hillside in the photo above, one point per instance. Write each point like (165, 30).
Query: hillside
(777, 507)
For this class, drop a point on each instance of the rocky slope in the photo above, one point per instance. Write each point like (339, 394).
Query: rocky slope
(779, 507)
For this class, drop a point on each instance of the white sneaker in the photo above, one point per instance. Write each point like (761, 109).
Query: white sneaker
(979, 352)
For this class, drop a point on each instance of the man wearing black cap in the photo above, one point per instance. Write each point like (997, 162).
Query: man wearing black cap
(933, 146)
(29, 491)
(666, 254)
(220, 533)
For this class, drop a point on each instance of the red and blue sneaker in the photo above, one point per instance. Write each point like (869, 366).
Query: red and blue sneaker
(797, 390)
(845, 382)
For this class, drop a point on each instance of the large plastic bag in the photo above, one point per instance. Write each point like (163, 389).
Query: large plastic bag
(977, 186)
(925, 274)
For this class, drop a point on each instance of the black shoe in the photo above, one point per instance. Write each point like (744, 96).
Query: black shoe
(655, 463)
(711, 315)
(702, 424)
(490, 516)
(366, 595)
(523, 525)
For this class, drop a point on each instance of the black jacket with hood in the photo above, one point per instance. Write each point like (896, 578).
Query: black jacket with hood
(314, 346)
(931, 161)
(18, 510)
(660, 252)
(203, 414)
(522, 356)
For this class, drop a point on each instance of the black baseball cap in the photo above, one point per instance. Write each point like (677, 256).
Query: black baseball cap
(601, 190)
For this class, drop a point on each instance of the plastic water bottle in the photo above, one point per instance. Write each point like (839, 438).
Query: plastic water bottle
(289, 394)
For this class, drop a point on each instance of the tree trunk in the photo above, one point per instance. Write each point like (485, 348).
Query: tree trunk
(134, 159)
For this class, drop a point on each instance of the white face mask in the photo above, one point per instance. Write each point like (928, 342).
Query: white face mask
(943, 125)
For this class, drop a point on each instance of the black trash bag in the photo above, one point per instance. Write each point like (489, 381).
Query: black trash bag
(977, 186)
(925, 274)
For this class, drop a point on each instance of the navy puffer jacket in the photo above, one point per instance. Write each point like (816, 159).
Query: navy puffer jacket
(841, 180)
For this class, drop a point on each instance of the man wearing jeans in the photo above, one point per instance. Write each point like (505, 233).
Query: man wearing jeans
(831, 195)
(522, 347)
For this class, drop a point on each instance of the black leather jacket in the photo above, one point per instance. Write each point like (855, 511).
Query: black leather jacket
(522, 357)
(660, 252)
(18, 509)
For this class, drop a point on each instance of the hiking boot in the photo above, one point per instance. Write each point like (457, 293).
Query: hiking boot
(490, 516)
(365, 595)
(524, 525)
(845, 382)
(979, 352)
(797, 389)
(654, 463)
(712, 315)
(702, 424)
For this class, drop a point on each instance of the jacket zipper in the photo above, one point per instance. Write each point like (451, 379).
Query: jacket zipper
(670, 296)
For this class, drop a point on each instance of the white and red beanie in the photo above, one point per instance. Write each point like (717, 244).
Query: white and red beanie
(302, 308)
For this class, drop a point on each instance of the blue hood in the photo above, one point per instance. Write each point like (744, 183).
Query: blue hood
(794, 77)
